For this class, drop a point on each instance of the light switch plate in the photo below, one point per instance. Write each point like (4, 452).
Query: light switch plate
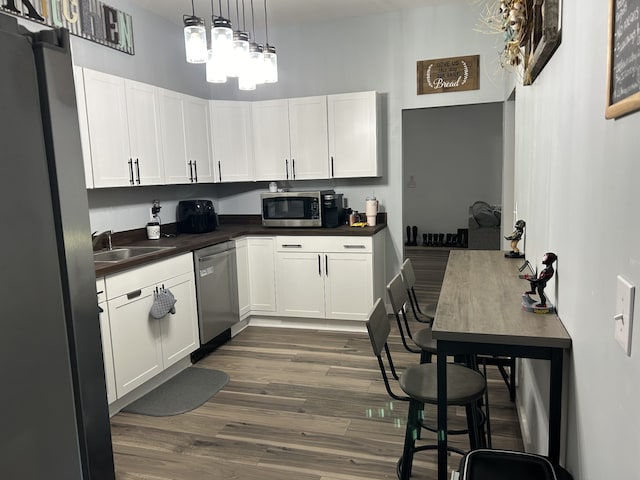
(625, 294)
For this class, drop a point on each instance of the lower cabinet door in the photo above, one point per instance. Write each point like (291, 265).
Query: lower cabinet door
(107, 353)
(179, 331)
(135, 339)
(300, 284)
(348, 285)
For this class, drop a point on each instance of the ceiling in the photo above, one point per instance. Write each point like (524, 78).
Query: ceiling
(279, 12)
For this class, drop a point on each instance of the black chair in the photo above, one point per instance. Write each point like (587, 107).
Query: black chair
(423, 343)
(465, 387)
(409, 279)
(483, 464)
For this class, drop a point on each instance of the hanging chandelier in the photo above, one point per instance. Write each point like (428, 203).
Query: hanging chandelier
(231, 53)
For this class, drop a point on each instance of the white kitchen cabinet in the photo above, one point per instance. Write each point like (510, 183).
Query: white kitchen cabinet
(308, 138)
(353, 135)
(300, 283)
(197, 126)
(143, 115)
(290, 139)
(329, 277)
(174, 140)
(262, 290)
(78, 79)
(185, 138)
(142, 345)
(232, 142)
(124, 136)
(271, 139)
(242, 264)
(105, 332)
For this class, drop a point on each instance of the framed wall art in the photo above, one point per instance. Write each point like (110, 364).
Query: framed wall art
(545, 21)
(623, 58)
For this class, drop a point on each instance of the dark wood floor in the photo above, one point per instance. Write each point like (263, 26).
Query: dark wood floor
(300, 404)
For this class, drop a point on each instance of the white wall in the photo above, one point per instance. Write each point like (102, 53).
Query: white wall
(577, 187)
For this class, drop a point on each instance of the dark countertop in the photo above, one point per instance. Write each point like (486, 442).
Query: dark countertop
(187, 242)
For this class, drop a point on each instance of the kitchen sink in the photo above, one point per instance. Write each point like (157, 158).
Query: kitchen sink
(119, 254)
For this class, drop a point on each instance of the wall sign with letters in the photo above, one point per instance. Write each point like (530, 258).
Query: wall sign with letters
(454, 74)
(89, 19)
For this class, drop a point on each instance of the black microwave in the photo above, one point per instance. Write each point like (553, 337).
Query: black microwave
(292, 209)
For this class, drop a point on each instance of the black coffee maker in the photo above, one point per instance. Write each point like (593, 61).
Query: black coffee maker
(332, 210)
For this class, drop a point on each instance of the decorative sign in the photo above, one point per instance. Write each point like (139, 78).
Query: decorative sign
(89, 19)
(454, 74)
(623, 66)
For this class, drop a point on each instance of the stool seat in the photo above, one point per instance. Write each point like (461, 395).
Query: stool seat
(423, 338)
(464, 385)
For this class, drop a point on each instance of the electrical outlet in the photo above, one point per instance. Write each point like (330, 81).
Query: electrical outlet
(625, 294)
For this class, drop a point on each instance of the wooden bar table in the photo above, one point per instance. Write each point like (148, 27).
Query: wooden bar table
(480, 311)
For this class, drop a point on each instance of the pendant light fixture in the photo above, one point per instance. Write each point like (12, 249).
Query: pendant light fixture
(246, 79)
(240, 54)
(256, 53)
(195, 37)
(270, 57)
(221, 50)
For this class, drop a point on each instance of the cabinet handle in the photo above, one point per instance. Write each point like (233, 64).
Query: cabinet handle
(319, 266)
(130, 162)
(293, 167)
(286, 168)
(190, 171)
(219, 171)
(137, 162)
(326, 265)
(332, 166)
(135, 294)
(195, 171)
(291, 245)
(354, 246)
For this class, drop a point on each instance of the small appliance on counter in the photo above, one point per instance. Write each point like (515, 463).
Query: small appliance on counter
(196, 216)
(332, 210)
(292, 209)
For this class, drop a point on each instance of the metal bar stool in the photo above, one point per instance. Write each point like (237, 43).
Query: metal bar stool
(409, 279)
(427, 347)
(465, 387)
(422, 341)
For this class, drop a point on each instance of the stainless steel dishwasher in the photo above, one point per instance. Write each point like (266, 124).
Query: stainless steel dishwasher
(217, 293)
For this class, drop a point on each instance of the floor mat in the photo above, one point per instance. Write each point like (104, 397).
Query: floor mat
(187, 390)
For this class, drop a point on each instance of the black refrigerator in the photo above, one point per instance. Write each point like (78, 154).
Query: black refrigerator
(54, 419)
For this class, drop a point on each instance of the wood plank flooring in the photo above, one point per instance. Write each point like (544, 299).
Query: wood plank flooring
(300, 404)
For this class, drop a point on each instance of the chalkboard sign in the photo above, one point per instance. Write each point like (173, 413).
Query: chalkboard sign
(623, 66)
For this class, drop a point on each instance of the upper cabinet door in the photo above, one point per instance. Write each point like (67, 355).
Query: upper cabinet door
(174, 142)
(197, 128)
(271, 140)
(81, 102)
(108, 129)
(308, 138)
(353, 136)
(232, 140)
(143, 115)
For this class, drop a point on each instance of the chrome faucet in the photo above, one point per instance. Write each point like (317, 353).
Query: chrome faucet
(97, 237)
